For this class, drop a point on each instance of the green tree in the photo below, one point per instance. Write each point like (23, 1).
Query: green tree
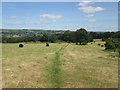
(44, 38)
(81, 36)
(52, 38)
(67, 36)
(110, 44)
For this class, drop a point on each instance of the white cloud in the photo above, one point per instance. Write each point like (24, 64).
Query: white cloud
(90, 9)
(85, 7)
(47, 20)
(13, 17)
(92, 20)
(30, 23)
(84, 3)
(50, 16)
(89, 15)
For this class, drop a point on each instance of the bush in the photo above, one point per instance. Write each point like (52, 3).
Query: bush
(112, 43)
(117, 43)
(119, 52)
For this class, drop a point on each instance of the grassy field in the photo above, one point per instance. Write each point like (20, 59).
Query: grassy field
(61, 65)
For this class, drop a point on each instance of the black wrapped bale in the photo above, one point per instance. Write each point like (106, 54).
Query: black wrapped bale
(76, 43)
(47, 45)
(102, 45)
(98, 44)
(94, 41)
(91, 43)
(21, 45)
(83, 43)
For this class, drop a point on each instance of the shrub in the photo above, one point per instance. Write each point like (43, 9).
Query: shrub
(110, 44)
(119, 52)
(117, 43)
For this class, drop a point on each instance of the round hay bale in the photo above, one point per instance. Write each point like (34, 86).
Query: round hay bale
(83, 43)
(91, 43)
(76, 43)
(94, 41)
(47, 45)
(102, 45)
(21, 45)
(99, 44)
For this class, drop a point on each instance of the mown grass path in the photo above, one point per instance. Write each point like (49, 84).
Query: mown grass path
(54, 70)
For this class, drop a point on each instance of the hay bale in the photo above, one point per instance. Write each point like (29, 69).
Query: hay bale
(21, 45)
(76, 43)
(83, 43)
(102, 45)
(94, 41)
(47, 45)
(99, 44)
(91, 43)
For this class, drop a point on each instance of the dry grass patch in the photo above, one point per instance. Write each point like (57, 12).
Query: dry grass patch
(82, 66)
(89, 67)
(25, 67)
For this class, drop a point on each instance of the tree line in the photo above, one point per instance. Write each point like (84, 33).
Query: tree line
(80, 37)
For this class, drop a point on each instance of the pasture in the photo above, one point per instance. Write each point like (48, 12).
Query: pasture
(61, 65)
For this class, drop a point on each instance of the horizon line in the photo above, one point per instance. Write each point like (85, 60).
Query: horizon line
(66, 30)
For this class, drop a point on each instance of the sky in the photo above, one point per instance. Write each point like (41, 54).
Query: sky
(93, 16)
(57, 0)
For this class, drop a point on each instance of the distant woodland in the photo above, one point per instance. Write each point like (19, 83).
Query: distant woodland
(80, 36)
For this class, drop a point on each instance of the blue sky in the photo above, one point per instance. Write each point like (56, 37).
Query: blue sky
(93, 16)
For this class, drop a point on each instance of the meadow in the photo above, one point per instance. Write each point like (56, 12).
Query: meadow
(62, 65)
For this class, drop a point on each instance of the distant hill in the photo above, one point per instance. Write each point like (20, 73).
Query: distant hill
(32, 32)
(27, 32)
